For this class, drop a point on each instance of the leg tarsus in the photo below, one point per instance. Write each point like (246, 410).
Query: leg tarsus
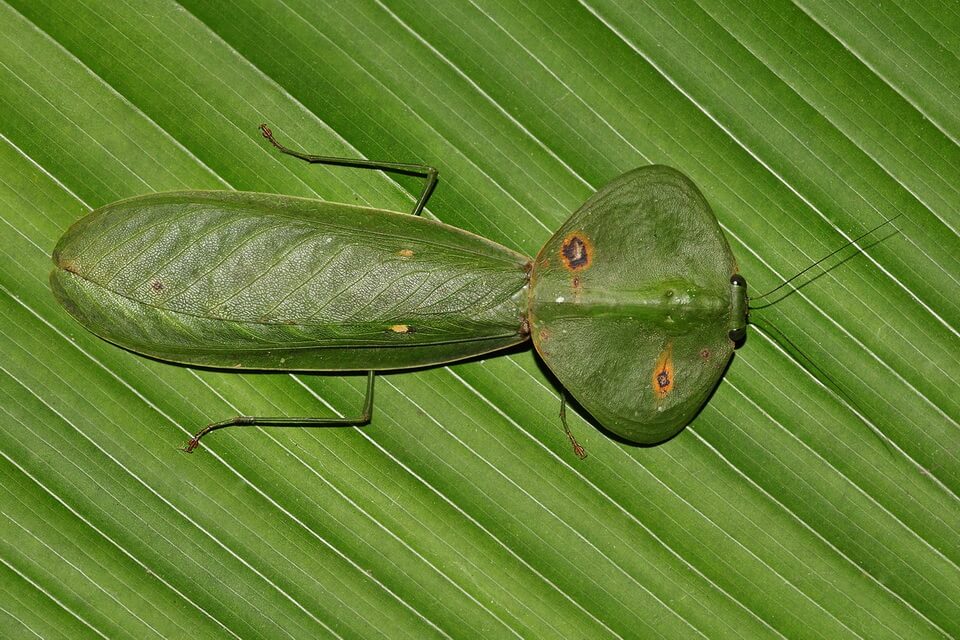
(239, 421)
(577, 449)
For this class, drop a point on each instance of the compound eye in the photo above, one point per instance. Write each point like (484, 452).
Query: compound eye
(738, 280)
(737, 336)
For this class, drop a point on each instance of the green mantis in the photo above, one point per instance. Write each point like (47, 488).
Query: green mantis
(635, 303)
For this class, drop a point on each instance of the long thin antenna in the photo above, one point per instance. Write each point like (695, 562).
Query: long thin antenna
(829, 255)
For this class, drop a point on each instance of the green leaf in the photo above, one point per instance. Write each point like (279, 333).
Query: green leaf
(815, 496)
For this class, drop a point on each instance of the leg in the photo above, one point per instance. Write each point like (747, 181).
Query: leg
(251, 421)
(577, 449)
(422, 170)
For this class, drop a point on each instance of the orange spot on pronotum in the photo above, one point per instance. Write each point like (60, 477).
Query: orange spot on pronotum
(662, 378)
(540, 339)
(576, 252)
(577, 285)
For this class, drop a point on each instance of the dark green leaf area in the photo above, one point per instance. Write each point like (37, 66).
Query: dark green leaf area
(631, 303)
(246, 280)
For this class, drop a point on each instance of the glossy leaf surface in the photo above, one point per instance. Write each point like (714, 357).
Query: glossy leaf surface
(461, 512)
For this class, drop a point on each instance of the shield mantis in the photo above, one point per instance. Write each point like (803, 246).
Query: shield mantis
(635, 303)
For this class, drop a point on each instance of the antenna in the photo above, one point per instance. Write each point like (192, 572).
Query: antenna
(829, 255)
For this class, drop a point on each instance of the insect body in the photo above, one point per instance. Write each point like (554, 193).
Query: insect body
(631, 303)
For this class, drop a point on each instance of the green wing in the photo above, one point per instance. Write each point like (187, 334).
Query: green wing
(262, 281)
(631, 304)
